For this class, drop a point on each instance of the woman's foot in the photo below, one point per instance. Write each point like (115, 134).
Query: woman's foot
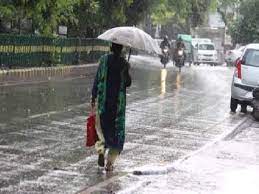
(101, 160)
(109, 167)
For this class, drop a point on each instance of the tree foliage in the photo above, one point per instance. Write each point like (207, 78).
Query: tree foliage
(245, 29)
(228, 9)
(98, 15)
(44, 15)
(84, 17)
(87, 18)
(190, 13)
(137, 10)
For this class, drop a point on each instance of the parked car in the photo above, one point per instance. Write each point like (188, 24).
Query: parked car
(232, 55)
(245, 78)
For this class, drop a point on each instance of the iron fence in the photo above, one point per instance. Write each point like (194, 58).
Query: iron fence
(37, 51)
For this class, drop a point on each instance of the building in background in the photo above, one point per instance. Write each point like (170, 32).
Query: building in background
(215, 30)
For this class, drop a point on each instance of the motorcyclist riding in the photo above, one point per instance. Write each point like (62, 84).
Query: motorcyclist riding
(180, 44)
(165, 47)
(165, 43)
(179, 55)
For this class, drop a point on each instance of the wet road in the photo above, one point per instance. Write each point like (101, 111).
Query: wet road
(42, 128)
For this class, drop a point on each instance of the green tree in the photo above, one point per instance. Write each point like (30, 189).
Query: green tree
(113, 12)
(48, 14)
(88, 19)
(44, 15)
(137, 10)
(85, 18)
(228, 9)
(245, 29)
(185, 13)
(99, 15)
(6, 13)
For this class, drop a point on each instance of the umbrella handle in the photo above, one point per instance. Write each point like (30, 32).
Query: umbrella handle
(129, 54)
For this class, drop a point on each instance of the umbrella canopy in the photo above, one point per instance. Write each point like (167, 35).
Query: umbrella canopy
(131, 37)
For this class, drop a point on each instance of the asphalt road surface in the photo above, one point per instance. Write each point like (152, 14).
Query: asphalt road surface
(170, 116)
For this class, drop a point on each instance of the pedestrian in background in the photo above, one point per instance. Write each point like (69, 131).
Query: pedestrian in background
(109, 102)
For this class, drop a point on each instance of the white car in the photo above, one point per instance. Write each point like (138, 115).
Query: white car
(195, 41)
(246, 78)
(232, 55)
(205, 52)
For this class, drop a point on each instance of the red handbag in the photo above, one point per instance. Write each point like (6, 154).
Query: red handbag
(91, 135)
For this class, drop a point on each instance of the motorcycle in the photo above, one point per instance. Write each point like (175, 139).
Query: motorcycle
(165, 56)
(255, 104)
(179, 58)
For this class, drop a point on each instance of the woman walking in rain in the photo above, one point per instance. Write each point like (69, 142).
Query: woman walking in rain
(109, 102)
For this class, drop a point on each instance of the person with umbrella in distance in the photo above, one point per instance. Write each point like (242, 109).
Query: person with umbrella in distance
(109, 102)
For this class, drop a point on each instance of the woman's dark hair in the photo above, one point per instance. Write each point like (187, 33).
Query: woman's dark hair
(116, 48)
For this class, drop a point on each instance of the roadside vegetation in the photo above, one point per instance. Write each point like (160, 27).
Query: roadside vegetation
(87, 18)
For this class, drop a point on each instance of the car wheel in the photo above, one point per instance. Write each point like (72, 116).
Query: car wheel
(244, 108)
(233, 104)
(255, 114)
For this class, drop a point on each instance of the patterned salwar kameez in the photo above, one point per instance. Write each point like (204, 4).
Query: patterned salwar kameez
(109, 89)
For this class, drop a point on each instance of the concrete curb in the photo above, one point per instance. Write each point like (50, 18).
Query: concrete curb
(43, 74)
(33, 69)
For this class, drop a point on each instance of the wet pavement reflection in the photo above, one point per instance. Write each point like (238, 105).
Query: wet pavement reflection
(169, 115)
(163, 81)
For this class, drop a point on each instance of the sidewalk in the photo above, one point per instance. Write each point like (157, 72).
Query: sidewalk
(229, 167)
